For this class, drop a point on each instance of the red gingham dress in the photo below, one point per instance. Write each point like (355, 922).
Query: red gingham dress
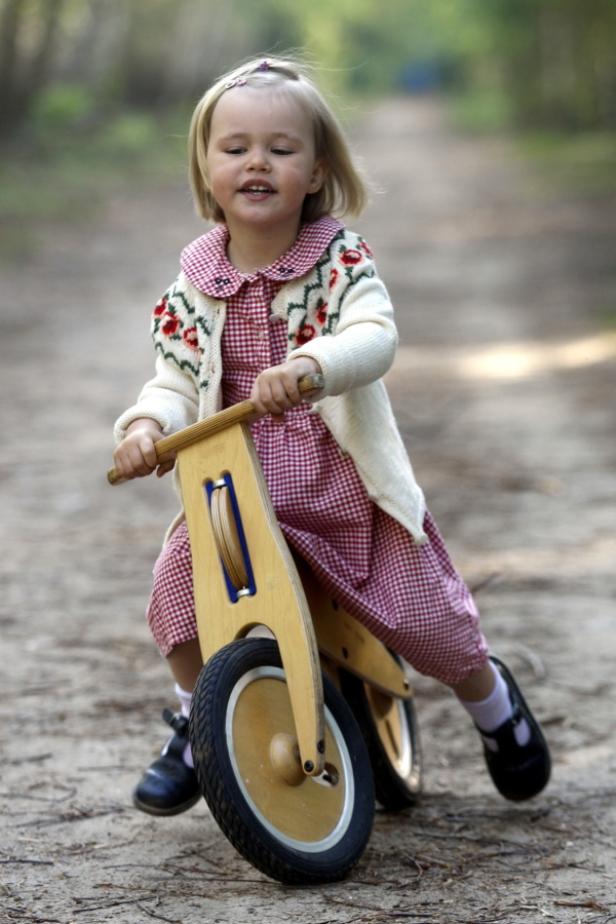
(409, 596)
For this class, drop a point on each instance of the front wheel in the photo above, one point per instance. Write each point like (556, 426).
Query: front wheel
(294, 828)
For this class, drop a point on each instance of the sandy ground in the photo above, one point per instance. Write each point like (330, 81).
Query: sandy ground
(504, 388)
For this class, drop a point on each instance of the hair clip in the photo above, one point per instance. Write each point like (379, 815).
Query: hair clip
(238, 82)
(264, 66)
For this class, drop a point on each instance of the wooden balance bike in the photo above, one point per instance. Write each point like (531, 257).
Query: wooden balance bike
(292, 736)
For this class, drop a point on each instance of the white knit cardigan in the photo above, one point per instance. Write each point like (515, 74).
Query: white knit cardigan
(340, 315)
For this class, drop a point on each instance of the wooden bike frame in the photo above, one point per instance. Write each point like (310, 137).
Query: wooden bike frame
(245, 575)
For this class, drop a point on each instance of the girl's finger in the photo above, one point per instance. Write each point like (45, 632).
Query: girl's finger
(266, 397)
(168, 457)
(148, 452)
(279, 400)
(137, 463)
(164, 468)
(291, 388)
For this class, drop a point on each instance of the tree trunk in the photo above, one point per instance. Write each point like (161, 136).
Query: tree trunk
(41, 59)
(9, 79)
(22, 81)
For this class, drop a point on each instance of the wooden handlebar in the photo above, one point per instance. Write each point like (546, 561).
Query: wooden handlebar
(237, 413)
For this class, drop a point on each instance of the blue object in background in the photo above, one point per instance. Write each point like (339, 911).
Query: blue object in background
(422, 76)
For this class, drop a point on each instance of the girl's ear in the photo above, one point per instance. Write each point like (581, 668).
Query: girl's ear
(318, 176)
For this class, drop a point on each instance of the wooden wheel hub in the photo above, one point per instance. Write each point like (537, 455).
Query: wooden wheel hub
(284, 755)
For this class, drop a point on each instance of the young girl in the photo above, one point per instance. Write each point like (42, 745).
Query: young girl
(278, 289)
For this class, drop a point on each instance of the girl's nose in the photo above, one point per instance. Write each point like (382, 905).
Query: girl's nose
(258, 160)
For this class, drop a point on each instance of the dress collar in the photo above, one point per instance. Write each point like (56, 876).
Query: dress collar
(207, 267)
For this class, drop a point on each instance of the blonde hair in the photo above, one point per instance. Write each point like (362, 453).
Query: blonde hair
(343, 190)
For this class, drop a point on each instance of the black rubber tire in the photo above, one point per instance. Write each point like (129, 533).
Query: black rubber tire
(237, 817)
(394, 791)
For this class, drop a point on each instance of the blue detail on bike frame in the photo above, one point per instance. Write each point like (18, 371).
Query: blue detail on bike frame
(252, 587)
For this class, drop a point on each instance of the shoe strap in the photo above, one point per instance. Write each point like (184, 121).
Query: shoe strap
(177, 721)
(504, 735)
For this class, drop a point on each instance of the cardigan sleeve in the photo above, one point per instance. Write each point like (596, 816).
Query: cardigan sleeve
(363, 346)
(171, 397)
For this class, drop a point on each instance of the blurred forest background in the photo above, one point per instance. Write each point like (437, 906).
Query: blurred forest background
(105, 86)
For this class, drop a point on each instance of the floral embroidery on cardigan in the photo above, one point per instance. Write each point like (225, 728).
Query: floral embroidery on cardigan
(174, 330)
(318, 315)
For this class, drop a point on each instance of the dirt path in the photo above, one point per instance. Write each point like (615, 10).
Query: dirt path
(504, 388)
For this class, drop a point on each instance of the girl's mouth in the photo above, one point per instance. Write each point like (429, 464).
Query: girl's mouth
(257, 190)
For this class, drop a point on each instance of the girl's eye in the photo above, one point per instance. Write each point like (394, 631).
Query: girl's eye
(281, 151)
(235, 150)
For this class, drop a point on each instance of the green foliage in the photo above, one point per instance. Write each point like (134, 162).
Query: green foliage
(62, 106)
(71, 172)
(129, 133)
(481, 111)
(94, 85)
(583, 163)
(607, 316)
(553, 60)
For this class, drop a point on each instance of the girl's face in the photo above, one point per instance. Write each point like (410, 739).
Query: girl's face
(261, 160)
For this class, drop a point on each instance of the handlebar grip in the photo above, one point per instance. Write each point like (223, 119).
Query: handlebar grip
(234, 414)
(312, 382)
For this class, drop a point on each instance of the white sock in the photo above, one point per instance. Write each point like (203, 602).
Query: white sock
(185, 699)
(490, 713)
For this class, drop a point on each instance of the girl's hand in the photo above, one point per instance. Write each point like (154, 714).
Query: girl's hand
(276, 390)
(135, 456)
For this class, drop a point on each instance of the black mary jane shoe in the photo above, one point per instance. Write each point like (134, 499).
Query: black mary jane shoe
(169, 786)
(519, 772)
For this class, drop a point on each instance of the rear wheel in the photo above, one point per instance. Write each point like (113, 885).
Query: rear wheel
(390, 730)
(293, 827)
